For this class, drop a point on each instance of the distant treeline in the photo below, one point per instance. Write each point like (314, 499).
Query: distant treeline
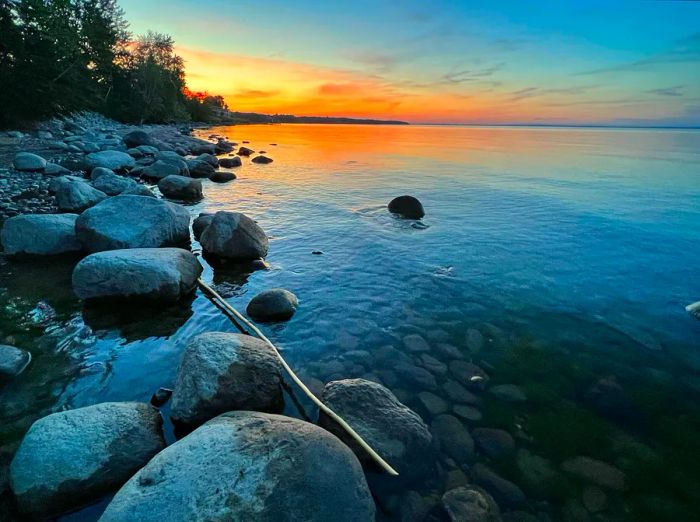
(61, 56)
(255, 117)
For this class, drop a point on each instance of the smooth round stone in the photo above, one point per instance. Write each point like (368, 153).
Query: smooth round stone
(415, 343)
(494, 443)
(200, 169)
(252, 467)
(508, 393)
(40, 234)
(160, 169)
(229, 163)
(432, 403)
(13, 361)
(222, 176)
(28, 162)
(181, 187)
(77, 196)
(470, 504)
(596, 472)
(112, 184)
(276, 304)
(110, 159)
(407, 206)
(454, 439)
(467, 412)
(232, 235)
(503, 491)
(137, 138)
(263, 160)
(100, 171)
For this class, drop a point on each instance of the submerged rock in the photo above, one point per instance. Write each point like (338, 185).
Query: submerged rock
(407, 206)
(40, 234)
(77, 196)
(276, 304)
(392, 429)
(470, 504)
(221, 372)
(161, 274)
(222, 176)
(508, 393)
(251, 467)
(28, 162)
(694, 309)
(73, 457)
(232, 235)
(13, 361)
(504, 491)
(596, 472)
(133, 222)
(493, 442)
(454, 439)
(181, 187)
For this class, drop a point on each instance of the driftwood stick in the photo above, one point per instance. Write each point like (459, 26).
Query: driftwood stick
(375, 456)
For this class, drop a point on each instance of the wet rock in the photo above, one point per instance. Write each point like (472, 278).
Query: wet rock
(596, 472)
(407, 206)
(110, 159)
(433, 365)
(245, 151)
(415, 343)
(73, 457)
(28, 162)
(459, 393)
(221, 372)
(13, 361)
(395, 431)
(137, 138)
(432, 404)
(181, 187)
(77, 196)
(474, 340)
(133, 222)
(417, 376)
(40, 234)
(161, 169)
(232, 235)
(209, 158)
(200, 169)
(222, 176)
(508, 392)
(538, 475)
(467, 412)
(138, 190)
(200, 223)
(229, 163)
(251, 467)
(494, 443)
(694, 309)
(469, 374)
(159, 274)
(161, 396)
(504, 491)
(470, 504)
(276, 304)
(454, 439)
(112, 184)
(263, 160)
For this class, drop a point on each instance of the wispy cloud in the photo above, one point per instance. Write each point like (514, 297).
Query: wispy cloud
(668, 91)
(471, 74)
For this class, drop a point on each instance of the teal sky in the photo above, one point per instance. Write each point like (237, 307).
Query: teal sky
(628, 63)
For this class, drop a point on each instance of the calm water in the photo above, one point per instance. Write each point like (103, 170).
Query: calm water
(551, 257)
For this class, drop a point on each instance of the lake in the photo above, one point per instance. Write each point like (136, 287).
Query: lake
(557, 259)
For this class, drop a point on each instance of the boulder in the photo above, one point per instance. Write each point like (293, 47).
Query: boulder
(113, 184)
(137, 138)
(55, 183)
(470, 504)
(77, 196)
(181, 187)
(202, 148)
(276, 304)
(392, 429)
(99, 171)
(162, 274)
(161, 169)
(26, 161)
(200, 223)
(252, 467)
(110, 159)
(40, 234)
(54, 169)
(137, 189)
(209, 158)
(232, 235)
(133, 222)
(200, 169)
(454, 439)
(221, 372)
(73, 457)
(245, 151)
(596, 472)
(494, 443)
(222, 176)
(229, 163)
(504, 491)
(13, 361)
(263, 160)
(407, 206)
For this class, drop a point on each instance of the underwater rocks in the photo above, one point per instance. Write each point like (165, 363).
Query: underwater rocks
(508, 393)
(454, 439)
(248, 466)
(158, 274)
(470, 504)
(133, 222)
(40, 234)
(276, 304)
(493, 442)
(221, 372)
(181, 187)
(407, 206)
(13, 361)
(232, 235)
(596, 472)
(73, 457)
(392, 429)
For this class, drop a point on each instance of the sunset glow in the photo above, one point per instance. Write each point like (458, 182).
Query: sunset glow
(448, 62)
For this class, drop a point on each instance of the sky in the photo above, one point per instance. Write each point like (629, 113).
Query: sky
(507, 62)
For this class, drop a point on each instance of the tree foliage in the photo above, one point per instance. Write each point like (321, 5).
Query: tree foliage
(60, 56)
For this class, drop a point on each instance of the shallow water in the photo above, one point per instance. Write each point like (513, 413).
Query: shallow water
(551, 257)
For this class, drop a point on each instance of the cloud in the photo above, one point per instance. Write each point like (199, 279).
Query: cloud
(377, 60)
(339, 89)
(456, 76)
(668, 91)
(531, 92)
(256, 93)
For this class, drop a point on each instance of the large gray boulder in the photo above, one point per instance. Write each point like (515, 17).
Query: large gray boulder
(392, 429)
(76, 196)
(200, 168)
(161, 169)
(137, 138)
(13, 361)
(133, 222)
(113, 184)
(252, 467)
(40, 234)
(110, 159)
(232, 235)
(163, 274)
(26, 161)
(276, 304)
(181, 187)
(73, 457)
(220, 372)
(229, 163)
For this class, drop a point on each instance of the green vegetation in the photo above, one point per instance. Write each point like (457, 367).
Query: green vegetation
(61, 56)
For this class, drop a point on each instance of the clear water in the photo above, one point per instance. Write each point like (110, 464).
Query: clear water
(571, 251)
